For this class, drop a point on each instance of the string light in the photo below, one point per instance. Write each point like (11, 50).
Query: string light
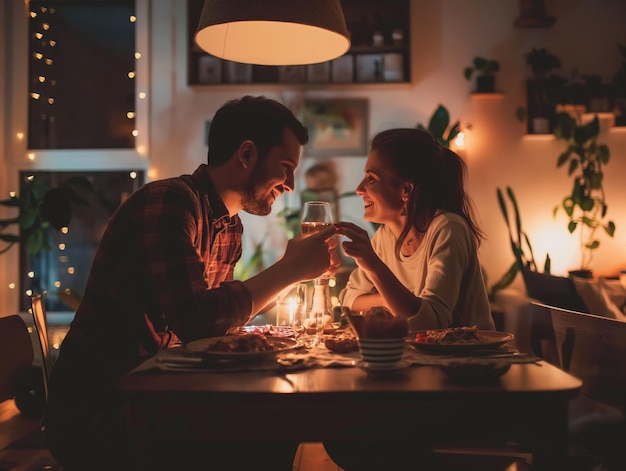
(31, 274)
(142, 95)
(20, 135)
(61, 246)
(57, 284)
(65, 229)
(132, 18)
(11, 285)
(12, 194)
(130, 115)
(133, 175)
(131, 75)
(135, 133)
(31, 156)
(137, 55)
(70, 270)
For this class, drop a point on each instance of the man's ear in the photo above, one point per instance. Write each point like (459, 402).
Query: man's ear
(247, 154)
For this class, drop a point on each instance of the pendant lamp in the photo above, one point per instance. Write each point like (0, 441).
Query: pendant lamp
(273, 32)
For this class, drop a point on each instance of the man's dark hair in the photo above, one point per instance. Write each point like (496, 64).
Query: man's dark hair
(259, 119)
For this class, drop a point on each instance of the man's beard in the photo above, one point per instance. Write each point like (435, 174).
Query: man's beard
(255, 197)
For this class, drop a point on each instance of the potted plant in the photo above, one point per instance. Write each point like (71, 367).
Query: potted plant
(486, 74)
(585, 206)
(541, 89)
(440, 128)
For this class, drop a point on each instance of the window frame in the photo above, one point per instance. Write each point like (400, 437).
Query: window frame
(18, 157)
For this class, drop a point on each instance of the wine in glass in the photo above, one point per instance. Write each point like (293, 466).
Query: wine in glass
(316, 215)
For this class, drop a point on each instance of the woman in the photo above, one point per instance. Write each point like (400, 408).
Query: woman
(422, 262)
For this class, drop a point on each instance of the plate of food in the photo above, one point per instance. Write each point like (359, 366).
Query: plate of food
(253, 346)
(457, 339)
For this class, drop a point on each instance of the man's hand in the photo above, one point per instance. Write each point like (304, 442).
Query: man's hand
(313, 255)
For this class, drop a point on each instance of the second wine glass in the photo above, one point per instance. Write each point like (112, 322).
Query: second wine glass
(316, 215)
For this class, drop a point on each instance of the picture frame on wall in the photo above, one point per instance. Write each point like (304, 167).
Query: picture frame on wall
(336, 126)
(342, 69)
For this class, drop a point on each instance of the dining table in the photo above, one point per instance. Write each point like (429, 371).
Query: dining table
(314, 395)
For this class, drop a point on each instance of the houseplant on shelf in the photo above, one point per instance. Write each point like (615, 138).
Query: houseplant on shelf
(440, 128)
(585, 206)
(485, 74)
(541, 90)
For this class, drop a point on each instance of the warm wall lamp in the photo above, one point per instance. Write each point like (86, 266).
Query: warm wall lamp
(273, 32)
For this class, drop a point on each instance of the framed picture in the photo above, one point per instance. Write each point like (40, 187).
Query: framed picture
(342, 69)
(337, 126)
(209, 69)
(318, 73)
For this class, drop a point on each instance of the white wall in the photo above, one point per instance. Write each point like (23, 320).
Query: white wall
(446, 35)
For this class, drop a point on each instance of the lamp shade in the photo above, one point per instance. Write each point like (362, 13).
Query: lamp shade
(273, 32)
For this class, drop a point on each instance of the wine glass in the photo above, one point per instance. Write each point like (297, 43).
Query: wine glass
(316, 215)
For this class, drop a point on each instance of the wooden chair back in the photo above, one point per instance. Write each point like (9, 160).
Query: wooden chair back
(593, 348)
(16, 354)
(41, 325)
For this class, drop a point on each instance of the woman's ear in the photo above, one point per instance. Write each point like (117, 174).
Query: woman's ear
(407, 189)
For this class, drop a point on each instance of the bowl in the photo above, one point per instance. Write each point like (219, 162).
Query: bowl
(381, 352)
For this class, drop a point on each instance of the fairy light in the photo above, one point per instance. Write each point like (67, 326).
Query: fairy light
(141, 150)
(20, 136)
(51, 101)
(61, 246)
(130, 115)
(57, 284)
(30, 178)
(52, 43)
(133, 175)
(29, 292)
(142, 95)
(11, 285)
(12, 194)
(35, 95)
(38, 35)
(33, 14)
(131, 75)
(49, 61)
(63, 259)
(38, 55)
(41, 79)
(70, 270)
(31, 274)
(135, 132)
(45, 26)
(137, 55)
(132, 18)
(31, 156)
(65, 229)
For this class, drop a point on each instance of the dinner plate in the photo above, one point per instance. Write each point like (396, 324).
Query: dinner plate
(489, 339)
(280, 344)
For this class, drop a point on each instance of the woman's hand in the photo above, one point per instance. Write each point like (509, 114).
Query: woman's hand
(359, 247)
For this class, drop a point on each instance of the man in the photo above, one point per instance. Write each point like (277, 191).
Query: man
(163, 275)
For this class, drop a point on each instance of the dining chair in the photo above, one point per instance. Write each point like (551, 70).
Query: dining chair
(41, 326)
(593, 348)
(16, 354)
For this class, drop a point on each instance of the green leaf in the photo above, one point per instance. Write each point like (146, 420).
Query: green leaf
(593, 245)
(467, 73)
(610, 228)
(603, 153)
(439, 122)
(571, 226)
(562, 158)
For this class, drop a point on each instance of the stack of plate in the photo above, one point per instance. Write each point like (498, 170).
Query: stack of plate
(381, 353)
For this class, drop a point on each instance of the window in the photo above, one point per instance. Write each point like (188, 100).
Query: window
(78, 104)
(81, 74)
